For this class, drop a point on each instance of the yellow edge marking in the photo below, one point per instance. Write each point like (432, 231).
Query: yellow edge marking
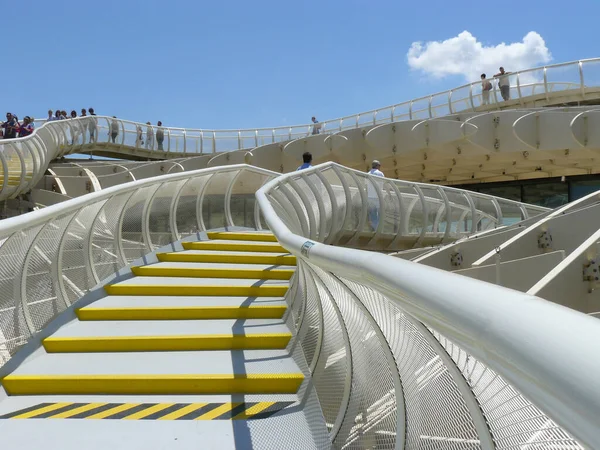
(287, 260)
(234, 236)
(43, 410)
(253, 410)
(182, 313)
(276, 274)
(225, 407)
(183, 411)
(84, 344)
(146, 412)
(233, 291)
(72, 412)
(233, 247)
(115, 410)
(153, 384)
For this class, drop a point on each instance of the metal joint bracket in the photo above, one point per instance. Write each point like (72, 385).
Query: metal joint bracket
(591, 273)
(545, 241)
(456, 259)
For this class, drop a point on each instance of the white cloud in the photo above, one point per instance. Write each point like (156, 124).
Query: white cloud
(465, 55)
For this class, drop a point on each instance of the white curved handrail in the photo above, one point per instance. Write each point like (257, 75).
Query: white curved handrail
(546, 351)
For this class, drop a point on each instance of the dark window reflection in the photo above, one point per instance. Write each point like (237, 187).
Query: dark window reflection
(509, 192)
(582, 188)
(550, 195)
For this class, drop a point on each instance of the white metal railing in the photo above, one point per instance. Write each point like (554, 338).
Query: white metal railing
(52, 257)
(576, 78)
(24, 161)
(411, 356)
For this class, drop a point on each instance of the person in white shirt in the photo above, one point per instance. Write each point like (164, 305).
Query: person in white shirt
(503, 83)
(149, 136)
(486, 87)
(372, 194)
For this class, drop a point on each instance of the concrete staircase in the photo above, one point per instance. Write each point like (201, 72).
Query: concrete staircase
(198, 337)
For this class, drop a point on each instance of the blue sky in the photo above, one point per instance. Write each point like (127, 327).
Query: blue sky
(243, 64)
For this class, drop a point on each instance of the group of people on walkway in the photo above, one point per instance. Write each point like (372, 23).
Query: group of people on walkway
(11, 128)
(503, 84)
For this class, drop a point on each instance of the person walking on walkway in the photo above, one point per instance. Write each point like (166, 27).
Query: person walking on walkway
(307, 158)
(160, 135)
(373, 198)
(114, 129)
(503, 83)
(486, 87)
(316, 127)
(149, 136)
(92, 125)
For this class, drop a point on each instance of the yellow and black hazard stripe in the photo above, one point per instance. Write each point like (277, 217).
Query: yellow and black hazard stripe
(150, 411)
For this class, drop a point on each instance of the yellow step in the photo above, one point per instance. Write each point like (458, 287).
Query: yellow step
(283, 260)
(182, 313)
(151, 271)
(241, 236)
(188, 384)
(84, 344)
(218, 291)
(234, 247)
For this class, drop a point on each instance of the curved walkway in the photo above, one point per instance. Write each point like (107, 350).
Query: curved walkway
(448, 137)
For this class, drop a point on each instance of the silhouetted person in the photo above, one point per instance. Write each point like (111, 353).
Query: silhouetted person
(316, 126)
(307, 158)
(160, 135)
(372, 195)
(114, 129)
(503, 83)
(486, 87)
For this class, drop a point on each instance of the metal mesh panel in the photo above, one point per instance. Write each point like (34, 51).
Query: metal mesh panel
(278, 202)
(187, 222)
(159, 219)
(243, 198)
(513, 420)
(13, 325)
(370, 414)
(436, 414)
(77, 276)
(332, 373)
(134, 242)
(105, 253)
(213, 204)
(44, 296)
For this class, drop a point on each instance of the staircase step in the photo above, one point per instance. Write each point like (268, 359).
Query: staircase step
(235, 246)
(165, 335)
(229, 257)
(199, 286)
(242, 236)
(164, 270)
(214, 372)
(124, 307)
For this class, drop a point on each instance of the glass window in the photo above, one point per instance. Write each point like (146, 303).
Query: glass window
(582, 188)
(550, 195)
(510, 192)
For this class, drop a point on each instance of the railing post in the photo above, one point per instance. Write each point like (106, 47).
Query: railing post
(168, 140)
(410, 115)
(450, 102)
(201, 142)
(519, 89)
(471, 97)
(375, 118)
(214, 142)
(546, 85)
(239, 140)
(341, 124)
(184, 142)
(581, 79)
(429, 107)
(392, 113)
(256, 138)
(357, 118)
